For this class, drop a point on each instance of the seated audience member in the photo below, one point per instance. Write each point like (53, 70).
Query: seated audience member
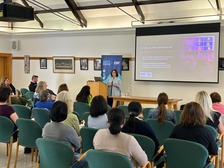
(33, 83)
(84, 95)
(192, 128)
(58, 131)
(113, 140)
(135, 125)
(71, 120)
(98, 117)
(161, 113)
(44, 100)
(62, 87)
(216, 102)
(6, 110)
(15, 98)
(213, 117)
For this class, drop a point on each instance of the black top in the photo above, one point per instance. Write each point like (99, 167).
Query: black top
(142, 128)
(198, 134)
(32, 86)
(215, 122)
(12, 88)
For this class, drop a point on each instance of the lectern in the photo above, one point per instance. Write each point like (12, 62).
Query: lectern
(98, 88)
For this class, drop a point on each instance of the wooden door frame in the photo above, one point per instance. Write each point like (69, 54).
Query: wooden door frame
(8, 58)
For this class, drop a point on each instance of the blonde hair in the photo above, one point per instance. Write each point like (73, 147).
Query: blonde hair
(40, 86)
(3, 79)
(64, 96)
(205, 101)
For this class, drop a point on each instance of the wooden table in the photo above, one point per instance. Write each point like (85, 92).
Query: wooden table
(172, 103)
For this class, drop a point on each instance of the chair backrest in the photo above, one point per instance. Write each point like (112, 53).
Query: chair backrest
(41, 116)
(185, 154)
(213, 131)
(125, 109)
(85, 116)
(146, 112)
(29, 131)
(178, 114)
(87, 135)
(147, 145)
(81, 108)
(29, 95)
(54, 153)
(102, 159)
(23, 91)
(22, 111)
(6, 129)
(162, 131)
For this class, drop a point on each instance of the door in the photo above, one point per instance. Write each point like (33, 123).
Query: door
(6, 65)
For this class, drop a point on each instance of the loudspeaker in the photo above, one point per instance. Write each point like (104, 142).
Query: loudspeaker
(15, 45)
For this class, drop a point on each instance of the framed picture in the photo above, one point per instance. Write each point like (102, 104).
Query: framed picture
(84, 63)
(63, 65)
(97, 64)
(221, 63)
(26, 64)
(43, 63)
(125, 64)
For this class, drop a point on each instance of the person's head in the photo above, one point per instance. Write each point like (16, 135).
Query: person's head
(83, 94)
(205, 101)
(114, 73)
(64, 96)
(162, 100)
(216, 98)
(62, 87)
(34, 79)
(193, 115)
(116, 118)
(4, 94)
(5, 81)
(44, 95)
(98, 106)
(42, 85)
(58, 111)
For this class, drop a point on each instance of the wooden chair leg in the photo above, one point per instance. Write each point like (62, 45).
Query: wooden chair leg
(32, 154)
(222, 152)
(217, 161)
(10, 151)
(17, 151)
(7, 149)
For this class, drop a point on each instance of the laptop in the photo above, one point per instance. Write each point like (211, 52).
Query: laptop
(96, 78)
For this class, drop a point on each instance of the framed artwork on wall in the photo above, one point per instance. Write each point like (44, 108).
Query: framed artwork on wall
(63, 64)
(43, 63)
(97, 64)
(221, 63)
(26, 64)
(125, 64)
(83, 63)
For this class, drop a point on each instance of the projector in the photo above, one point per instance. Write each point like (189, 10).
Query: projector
(13, 12)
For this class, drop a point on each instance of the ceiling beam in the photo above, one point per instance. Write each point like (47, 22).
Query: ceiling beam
(77, 13)
(108, 6)
(139, 11)
(35, 16)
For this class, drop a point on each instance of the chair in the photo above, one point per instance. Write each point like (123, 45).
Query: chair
(23, 91)
(77, 114)
(54, 153)
(85, 116)
(145, 113)
(29, 131)
(41, 116)
(125, 109)
(162, 131)
(6, 135)
(102, 159)
(185, 154)
(29, 98)
(87, 135)
(22, 111)
(81, 108)
(178, 114)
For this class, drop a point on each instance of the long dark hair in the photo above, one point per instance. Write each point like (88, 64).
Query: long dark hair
(134, 109)
(116, 118)
(83, 94)
(162, 101)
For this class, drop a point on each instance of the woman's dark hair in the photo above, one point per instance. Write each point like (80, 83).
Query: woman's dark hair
(114, 71)
(162, 101)
(134, 109)
(44, 95)
(193, 115)
(4, 94)
(83, 94)
(98, 106)
(62, 87)
(116, 118)
(216, 98)
(59, 111)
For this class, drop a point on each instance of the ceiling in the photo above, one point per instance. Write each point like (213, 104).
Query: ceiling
(61, 15)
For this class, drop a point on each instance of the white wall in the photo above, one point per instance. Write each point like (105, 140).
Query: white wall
(93, 44)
